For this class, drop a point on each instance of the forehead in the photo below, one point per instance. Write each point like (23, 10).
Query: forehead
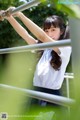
(52, 27)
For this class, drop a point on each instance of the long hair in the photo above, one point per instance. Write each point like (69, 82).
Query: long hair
(56, 21)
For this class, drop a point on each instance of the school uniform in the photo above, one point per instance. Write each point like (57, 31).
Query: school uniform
(46, 78)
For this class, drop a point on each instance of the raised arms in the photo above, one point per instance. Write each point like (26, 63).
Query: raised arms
(21, 31)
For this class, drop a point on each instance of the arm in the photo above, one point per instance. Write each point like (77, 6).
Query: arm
(21, 31)
(36, 30)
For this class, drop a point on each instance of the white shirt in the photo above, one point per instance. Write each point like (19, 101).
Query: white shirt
(45, 75)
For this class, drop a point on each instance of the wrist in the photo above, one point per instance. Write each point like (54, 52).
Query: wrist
(9, 18)
(21, 15)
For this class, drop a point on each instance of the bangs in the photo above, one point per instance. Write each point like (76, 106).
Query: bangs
(51, 22)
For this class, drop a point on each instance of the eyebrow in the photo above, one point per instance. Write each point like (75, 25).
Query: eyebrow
(50, 27)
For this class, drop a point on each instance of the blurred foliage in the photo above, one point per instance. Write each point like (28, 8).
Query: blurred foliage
(18, 72)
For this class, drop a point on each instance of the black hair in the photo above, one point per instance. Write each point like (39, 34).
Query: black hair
(56, 21)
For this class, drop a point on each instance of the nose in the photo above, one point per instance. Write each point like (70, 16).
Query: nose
(50, 34)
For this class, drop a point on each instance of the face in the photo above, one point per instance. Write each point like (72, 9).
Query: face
(53, 32)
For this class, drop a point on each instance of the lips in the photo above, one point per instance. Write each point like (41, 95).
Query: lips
(53, 38)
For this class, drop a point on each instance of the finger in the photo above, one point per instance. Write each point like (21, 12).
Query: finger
(10, 9)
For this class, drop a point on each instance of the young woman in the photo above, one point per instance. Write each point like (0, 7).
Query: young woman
(49, 73)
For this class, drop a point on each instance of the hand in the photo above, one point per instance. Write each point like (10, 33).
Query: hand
(6, 13)
(9, 10)
(2, 12)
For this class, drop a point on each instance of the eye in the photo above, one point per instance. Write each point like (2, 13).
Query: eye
(53, 29)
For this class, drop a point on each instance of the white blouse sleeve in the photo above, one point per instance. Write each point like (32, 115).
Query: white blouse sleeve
(65, 53)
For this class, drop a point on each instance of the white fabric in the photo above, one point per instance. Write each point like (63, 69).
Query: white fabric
(45, 75)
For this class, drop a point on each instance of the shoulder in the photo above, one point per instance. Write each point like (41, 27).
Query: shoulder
(65, 52)
(67, 49)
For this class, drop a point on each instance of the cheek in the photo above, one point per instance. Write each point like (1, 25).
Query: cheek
(58, 33)
(57, 36)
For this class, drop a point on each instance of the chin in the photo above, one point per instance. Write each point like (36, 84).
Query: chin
(54, 39)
